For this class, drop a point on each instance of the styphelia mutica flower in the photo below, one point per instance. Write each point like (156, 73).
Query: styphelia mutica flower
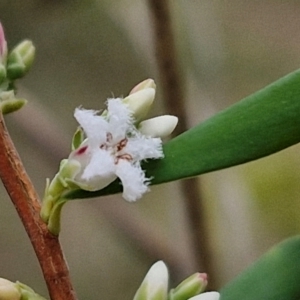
(113, 148)
(111, 144)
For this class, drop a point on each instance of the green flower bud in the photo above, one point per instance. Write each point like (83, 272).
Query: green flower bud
(27, 292)
(192, 286)
(155, 284)
(54, 189)
(20, 60)
(9, 290)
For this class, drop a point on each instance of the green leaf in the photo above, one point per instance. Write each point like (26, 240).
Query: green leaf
(259, 125)
(275, 276)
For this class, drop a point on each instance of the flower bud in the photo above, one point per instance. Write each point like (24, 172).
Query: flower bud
(20, 60)
(207, 296)
(192, 286)
(9, 290)
(140, 103)
(3, 46)
(27, 292)
(148, 83)
(8, 102)
(11, 105)
(159, 126)
(155, 284)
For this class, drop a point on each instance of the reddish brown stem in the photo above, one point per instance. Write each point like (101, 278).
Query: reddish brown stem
(27, 204)
(174, 99)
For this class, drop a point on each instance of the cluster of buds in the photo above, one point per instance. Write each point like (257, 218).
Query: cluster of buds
(13, 65)
(107, 146)
(17, 291)
(155, 286)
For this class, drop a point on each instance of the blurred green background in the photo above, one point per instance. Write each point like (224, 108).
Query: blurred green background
(90, 50)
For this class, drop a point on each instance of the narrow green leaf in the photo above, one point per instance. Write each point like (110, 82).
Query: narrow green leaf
(259, 125)
(275, 276)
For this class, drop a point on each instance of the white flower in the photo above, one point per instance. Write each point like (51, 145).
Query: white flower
(207, 296)
(113, 148)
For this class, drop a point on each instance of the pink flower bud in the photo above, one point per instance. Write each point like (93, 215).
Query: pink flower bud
(3, 45)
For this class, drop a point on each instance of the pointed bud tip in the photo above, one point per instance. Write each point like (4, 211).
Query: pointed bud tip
(140, 102)
(155, 283)
(203, 277)
(148, 83)
(158, 273)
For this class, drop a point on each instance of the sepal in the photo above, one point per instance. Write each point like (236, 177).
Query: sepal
(2, 72)
(27, 292)
(8, 102)
(12, 105)
(78, 138)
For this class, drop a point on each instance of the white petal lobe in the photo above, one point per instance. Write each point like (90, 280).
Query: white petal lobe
(133, 180)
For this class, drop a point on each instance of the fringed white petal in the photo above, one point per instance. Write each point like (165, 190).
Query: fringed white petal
(141, 147)
(119, 119)
(133, 180)
(95, 127)
(101, 164)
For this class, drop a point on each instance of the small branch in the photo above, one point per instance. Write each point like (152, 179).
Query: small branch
(27, 204)
(174, 98)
